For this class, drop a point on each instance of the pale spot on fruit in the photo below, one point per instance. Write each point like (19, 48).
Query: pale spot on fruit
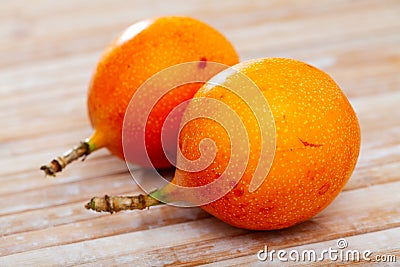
(133, 30)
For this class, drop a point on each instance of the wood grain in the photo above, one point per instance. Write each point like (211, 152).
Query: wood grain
(48, 52)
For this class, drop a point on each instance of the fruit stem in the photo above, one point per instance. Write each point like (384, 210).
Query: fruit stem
(119, 203)
(94, 142)
(59, 163)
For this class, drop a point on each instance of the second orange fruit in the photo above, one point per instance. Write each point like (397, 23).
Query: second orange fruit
(141, 51)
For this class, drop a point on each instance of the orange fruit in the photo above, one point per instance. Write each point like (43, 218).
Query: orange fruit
(317, 145)
(142, 50)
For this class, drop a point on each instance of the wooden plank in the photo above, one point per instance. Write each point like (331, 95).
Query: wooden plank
(72, 74)
(380, 243)
(53, 194)
(97, 169)
(60, 229)
(210, 240)
(89, 30)
(88, 251)
(29, 94)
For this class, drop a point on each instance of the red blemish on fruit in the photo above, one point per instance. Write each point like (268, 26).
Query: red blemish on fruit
(238, 192)
(266, 209)
(323, 189)
(311, 174)
(309, 144)
(203, 63)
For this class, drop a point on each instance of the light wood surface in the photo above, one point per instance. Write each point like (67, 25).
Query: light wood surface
(48, 51)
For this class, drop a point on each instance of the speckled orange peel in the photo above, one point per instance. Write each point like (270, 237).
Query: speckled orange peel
(317, 146)
(140, 51)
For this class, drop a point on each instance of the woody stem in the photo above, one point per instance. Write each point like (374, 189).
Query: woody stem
(117, 203)
(59, 163)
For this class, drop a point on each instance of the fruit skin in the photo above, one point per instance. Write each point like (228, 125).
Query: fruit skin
(139, 52)
(317, 146)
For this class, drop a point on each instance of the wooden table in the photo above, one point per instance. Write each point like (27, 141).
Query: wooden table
(48, 51)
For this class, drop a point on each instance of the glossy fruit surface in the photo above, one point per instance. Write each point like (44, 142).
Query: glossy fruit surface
(317, 145)
(142, 50)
